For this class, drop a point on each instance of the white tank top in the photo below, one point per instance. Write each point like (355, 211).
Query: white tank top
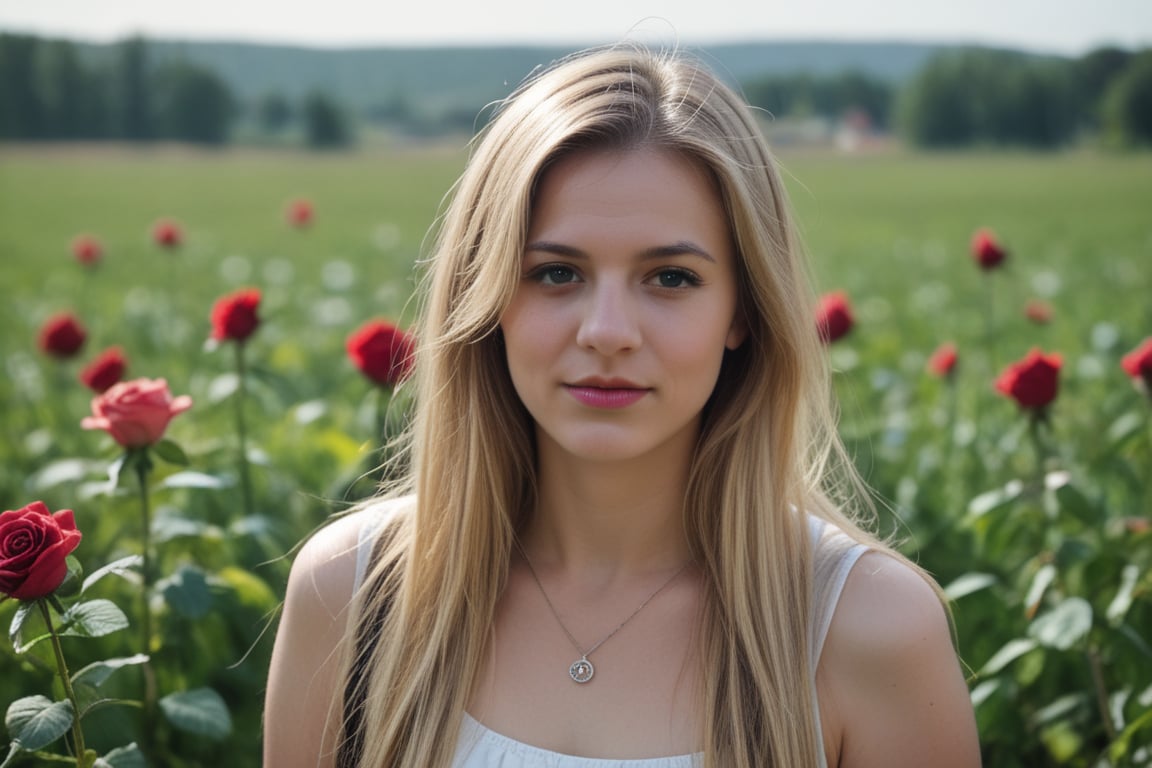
(834, 554)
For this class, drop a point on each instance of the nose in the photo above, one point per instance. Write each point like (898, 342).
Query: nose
(610, 321)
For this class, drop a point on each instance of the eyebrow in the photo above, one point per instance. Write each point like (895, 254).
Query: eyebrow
(679, 248)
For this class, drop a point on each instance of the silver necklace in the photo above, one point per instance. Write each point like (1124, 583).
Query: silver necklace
(581, 670)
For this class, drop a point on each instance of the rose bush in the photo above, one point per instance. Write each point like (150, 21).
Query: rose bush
(136, 413)
(62, 335)
(834, 317)
(987, 252)
(105, 370)
(34, 545)
(381, 351)
(1032, 382)
(234, 317)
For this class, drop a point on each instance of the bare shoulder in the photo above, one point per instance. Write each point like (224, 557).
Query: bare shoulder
(890, 679)
(301, 703)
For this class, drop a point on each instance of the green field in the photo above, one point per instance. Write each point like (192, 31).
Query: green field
(959, 473)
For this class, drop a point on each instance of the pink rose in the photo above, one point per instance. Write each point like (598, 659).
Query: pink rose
(136, 412)
(33, 546)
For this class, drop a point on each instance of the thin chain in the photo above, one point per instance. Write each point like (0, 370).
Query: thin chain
(606, 638)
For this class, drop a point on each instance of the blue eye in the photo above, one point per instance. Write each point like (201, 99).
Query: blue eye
(676, 278)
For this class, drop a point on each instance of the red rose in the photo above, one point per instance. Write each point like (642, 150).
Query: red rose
(62, 335)
(381, 351)
(1032, 382)
(942, 363)
(107, 369)
(1138, 363)
(299, 213)
(988, 253)
(834, 316)
(136, 412)
(1039, 312)
(33, 545)
(167, 234)
(87, 250)
(234, 316)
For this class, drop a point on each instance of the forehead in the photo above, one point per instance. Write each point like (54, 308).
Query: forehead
(642, 193)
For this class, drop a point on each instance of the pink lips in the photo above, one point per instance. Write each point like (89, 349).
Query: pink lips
(606, 395)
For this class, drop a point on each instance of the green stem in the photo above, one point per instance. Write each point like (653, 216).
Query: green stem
(991, 337)
(242, 429)
(62, 667)
(1038, 421)
(148, 712)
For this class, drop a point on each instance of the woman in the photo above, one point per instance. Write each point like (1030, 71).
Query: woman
(618, 545)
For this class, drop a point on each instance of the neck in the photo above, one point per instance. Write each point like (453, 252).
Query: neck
(610, 517)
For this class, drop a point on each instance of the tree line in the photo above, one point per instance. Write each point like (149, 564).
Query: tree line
(50, 92)
(961, 97)
(982, 97)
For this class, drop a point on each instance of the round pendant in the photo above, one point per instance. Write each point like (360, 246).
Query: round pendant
(581, 670)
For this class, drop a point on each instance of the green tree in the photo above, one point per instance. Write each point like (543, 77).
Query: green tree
(325, 124)
(21, 108)
(1127, 106)
(132, 94)
(1094, 73)
(274, 113)
(192, 104)
(977, 96)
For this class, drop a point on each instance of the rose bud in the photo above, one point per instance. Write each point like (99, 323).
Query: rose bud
(62, 335)
(1032, 382)
(167, 234)
(34, 545)
(234, 316)
(87, 250)
(942, 363)
(1039, 312)
(299, 213)
(382, 352)
(136, 413)
(107, 369)
(1138, 364)
(834, 317)
(988, 253)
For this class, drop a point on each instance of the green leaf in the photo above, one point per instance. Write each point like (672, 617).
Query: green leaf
(186, 591)
(969, 583)
(1123, 600)
(14, 629)
(168, 528)
(97, 672)
(1064, 626)
(171, 452)
(1040, 583)
(190, 479)
(1011, 651)
(199, 711)
(37, 721)
(996, 499)
(1118, 750)
(125, 566)
(92, 618)
(129, 756)
(114, 471)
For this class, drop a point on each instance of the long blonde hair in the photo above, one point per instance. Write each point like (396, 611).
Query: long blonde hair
(426, 612)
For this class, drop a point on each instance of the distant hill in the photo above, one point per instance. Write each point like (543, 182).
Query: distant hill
(436, 81)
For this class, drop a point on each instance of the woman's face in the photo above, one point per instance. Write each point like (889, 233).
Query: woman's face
(626, 303)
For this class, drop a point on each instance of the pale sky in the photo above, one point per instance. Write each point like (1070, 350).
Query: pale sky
(1057, 26)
